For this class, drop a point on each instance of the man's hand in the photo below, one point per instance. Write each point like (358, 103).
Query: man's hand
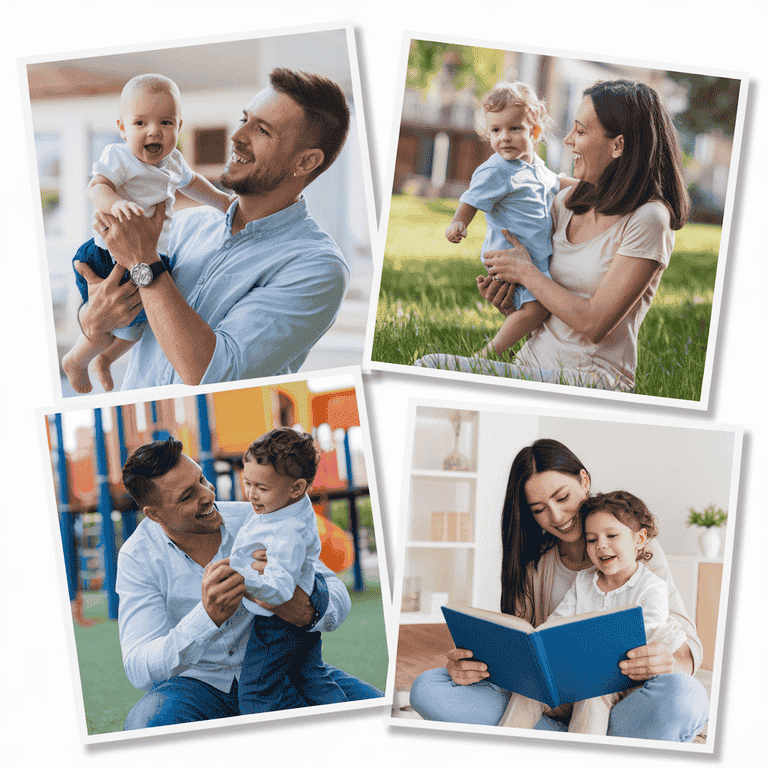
(222, 590)
(110, 305)
(131, 241)
(298, 610)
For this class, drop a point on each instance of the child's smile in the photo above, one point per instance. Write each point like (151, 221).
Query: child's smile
(267, 490)
(149, 123)
(612, 547)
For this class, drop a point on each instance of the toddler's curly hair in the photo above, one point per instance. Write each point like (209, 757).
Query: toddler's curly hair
(627, 509)
(290, 452)
(515, 94)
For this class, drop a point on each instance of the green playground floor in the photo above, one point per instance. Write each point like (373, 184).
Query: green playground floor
(359, 647)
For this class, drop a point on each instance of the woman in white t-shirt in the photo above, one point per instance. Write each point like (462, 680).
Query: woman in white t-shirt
(614, 234)
(543, 550)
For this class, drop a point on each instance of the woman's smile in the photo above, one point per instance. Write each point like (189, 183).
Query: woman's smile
(554, 499)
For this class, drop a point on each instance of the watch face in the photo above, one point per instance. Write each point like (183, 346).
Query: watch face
(141, 275)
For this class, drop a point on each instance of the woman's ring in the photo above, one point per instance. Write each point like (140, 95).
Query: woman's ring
(104, 229)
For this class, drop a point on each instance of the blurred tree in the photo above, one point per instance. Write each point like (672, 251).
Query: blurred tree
(712, 103)
(480, 68)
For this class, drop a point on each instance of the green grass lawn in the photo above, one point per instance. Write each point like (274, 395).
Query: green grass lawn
(429, 302)
(359, 647)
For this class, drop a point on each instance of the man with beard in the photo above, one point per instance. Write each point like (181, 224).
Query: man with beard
(253, 289)
(183, 627)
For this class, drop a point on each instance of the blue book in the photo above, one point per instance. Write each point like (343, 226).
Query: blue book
(568, 659)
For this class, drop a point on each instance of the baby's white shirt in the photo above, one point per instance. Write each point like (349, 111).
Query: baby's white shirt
(144, 184)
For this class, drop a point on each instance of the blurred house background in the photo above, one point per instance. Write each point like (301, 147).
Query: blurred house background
(74, 107)
(438, 148)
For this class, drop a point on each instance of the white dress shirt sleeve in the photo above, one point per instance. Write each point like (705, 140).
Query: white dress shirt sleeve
(154, 650)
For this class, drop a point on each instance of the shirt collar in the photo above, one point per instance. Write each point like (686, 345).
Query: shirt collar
(288, 216)
(291, 510)
(630, 582)
(226, 537)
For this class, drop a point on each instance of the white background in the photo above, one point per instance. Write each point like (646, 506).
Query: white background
(38, 698)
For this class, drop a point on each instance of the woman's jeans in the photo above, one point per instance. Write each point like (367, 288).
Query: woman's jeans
(670, 707)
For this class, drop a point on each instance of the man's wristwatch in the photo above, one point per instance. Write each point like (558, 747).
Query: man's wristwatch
(142, 274)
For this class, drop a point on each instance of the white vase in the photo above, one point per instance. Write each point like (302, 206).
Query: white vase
(709, 542)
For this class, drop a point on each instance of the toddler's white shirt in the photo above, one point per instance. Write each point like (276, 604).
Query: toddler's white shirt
(293, 548)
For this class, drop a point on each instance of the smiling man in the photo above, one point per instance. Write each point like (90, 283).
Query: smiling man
(183, 627)
(252, 290)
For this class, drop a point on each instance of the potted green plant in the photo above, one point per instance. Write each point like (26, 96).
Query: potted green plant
(708, 521)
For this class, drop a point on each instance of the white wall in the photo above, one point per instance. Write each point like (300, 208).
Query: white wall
(671, 468)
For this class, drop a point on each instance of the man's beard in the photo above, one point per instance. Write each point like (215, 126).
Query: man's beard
(258, 183)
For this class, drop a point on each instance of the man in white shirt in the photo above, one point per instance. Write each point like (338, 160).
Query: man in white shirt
(183, 628)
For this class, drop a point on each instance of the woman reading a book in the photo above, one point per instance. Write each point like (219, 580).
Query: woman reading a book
(543, 550)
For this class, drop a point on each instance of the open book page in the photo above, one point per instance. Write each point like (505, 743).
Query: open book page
(503, 619)
(560, 620)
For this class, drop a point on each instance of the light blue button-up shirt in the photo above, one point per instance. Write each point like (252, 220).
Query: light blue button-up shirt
(164, 629)
(268, 293)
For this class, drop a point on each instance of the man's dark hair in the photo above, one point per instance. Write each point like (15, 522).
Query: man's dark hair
(146, 463)
(291, 453)
(326, 114)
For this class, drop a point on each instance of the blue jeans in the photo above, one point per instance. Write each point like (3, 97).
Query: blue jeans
(277, 650)
(671, 707)
(187, 700)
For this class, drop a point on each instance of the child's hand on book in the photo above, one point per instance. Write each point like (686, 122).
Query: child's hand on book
(462, 670)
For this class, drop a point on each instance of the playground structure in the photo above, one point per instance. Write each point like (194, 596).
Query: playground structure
(215, 430)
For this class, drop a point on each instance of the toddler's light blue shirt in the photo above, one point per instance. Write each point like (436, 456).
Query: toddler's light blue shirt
(517, 196)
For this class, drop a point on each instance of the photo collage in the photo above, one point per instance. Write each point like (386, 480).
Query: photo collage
(473, 341)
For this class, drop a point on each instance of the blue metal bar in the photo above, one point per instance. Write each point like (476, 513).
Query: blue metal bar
(354, 522)
(129, 516)
(204, 433)
(158, 434)
(105, 510)
(66, 518)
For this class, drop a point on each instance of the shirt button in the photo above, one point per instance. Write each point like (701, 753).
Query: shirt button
(228, 244)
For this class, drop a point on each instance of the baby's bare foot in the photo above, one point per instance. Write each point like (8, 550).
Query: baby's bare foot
(77, 375)
(102, 369)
